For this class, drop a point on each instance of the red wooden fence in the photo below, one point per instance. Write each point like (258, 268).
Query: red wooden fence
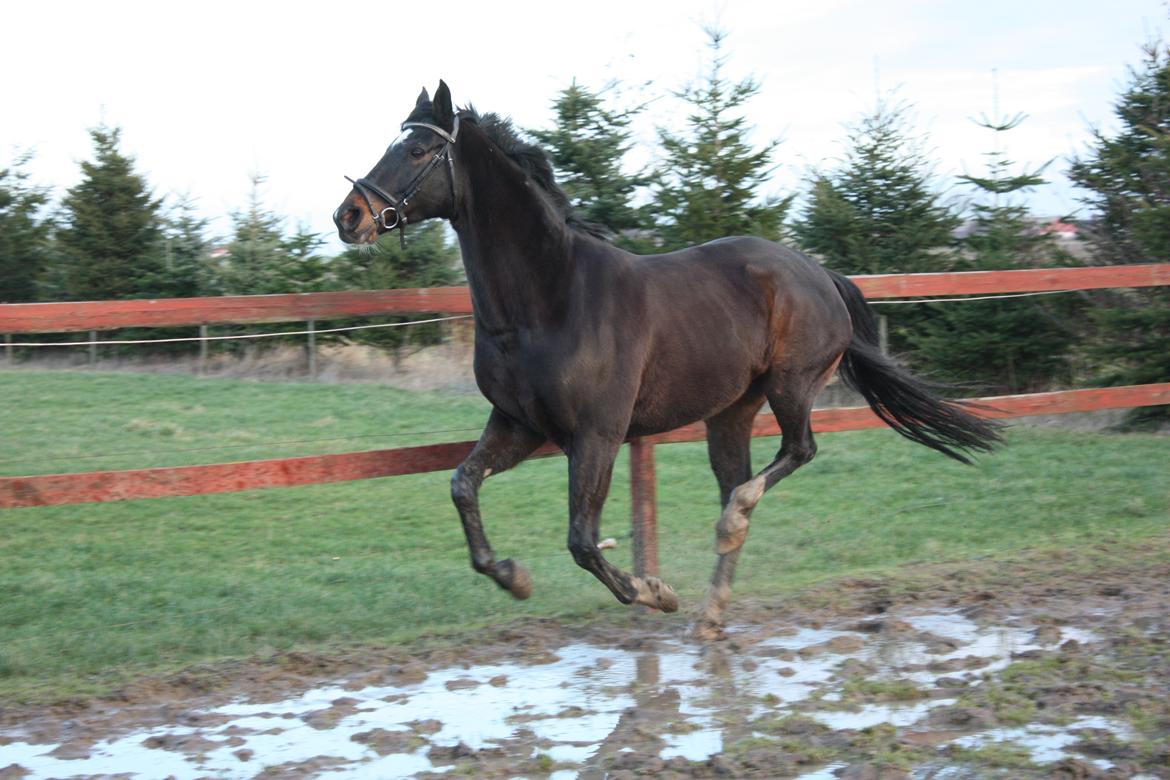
(240, 309)
(49, 489)
(98, 486)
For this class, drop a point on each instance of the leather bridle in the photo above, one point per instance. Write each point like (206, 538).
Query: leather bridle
(394, 215)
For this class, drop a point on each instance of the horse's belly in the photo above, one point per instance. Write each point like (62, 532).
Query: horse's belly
(683, 391)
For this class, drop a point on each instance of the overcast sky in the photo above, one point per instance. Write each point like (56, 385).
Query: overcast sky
(207, 93)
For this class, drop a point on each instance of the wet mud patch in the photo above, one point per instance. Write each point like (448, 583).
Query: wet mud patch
(1032, 669)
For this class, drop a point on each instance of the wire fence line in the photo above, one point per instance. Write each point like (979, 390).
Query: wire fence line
(960, 299)
(273, 334)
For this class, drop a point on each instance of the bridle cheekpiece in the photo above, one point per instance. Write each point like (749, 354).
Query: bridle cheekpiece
(394, 215)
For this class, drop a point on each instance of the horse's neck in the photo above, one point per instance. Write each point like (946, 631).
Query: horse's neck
(517, 250)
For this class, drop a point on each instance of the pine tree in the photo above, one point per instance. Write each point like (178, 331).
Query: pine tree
(1127, 176)
(24, 234)
(262, 260)
(708, 184)
(877, 213)
(1008, 345)
(110, 244)
(186, 251)
(587, 146)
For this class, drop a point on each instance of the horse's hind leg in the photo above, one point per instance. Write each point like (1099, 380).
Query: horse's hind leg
(791, 396)
(590, 471)
(729, 438)
(502, 445)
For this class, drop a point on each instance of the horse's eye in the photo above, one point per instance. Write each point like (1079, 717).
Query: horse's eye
(417, 152)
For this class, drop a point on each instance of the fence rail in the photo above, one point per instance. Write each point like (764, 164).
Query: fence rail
(245, 309)
(100, 486)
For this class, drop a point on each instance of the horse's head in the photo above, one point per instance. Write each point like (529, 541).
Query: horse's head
(414, 180)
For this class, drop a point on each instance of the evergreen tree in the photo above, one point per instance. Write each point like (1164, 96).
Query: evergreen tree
(307, 269)
(1127, 176)
(877, 213)
(186, 270)
(24, 234)
(708, 184)
(262, 260)
(430, 259)
(110, 245)
(587, 147)
(1008, 345)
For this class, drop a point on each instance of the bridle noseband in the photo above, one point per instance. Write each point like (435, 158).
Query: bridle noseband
(394, 215)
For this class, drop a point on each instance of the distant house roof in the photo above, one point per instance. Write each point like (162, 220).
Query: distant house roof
(1060, 229)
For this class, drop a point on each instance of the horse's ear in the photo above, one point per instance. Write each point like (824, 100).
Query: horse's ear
(423, 98)
(442, 109)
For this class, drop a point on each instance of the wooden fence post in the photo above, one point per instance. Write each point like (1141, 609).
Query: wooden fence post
(202, 350)
(312, 346)
(643, 508)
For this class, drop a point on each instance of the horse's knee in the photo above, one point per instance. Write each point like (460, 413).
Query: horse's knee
(464, 489)
(583, 550)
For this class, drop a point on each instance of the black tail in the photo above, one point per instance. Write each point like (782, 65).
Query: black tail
(906, 403)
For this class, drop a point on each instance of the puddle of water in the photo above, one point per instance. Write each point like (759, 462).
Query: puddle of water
(899, 715)
(1044, 743)
(828, 772)
(580, 707)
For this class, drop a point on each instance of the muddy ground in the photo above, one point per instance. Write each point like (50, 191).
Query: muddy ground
(1047, 666)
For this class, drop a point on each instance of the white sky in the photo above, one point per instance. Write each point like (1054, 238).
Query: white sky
(207, 93)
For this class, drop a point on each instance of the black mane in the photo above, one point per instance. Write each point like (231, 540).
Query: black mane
(531, 158)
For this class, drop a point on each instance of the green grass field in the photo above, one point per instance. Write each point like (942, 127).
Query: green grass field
(92, 595)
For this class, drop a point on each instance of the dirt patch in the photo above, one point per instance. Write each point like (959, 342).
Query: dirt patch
(1053, 666)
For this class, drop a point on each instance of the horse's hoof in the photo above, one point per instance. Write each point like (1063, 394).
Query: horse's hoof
(519, 580)
(662, 596)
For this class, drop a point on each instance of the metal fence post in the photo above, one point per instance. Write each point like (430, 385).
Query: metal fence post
(92, 348)
(8, 349)
(884, 334)
(643, 508)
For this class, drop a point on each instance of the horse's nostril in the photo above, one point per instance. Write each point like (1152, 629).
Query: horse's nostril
(347, 218)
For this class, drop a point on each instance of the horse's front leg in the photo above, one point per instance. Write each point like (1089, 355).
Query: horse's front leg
(590, 471)
(503, 444)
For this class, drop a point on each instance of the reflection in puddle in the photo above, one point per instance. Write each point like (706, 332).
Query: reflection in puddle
(567, 718)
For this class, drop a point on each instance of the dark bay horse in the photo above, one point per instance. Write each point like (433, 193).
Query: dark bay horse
(583, 344)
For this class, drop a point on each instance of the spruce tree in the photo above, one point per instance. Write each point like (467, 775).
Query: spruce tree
(110, 243)
(24, 233)
(877, 212)
(587, 146)
(262, 260)
(708, 185)
(1127, 176)
(1007, 345)
(186, 271)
